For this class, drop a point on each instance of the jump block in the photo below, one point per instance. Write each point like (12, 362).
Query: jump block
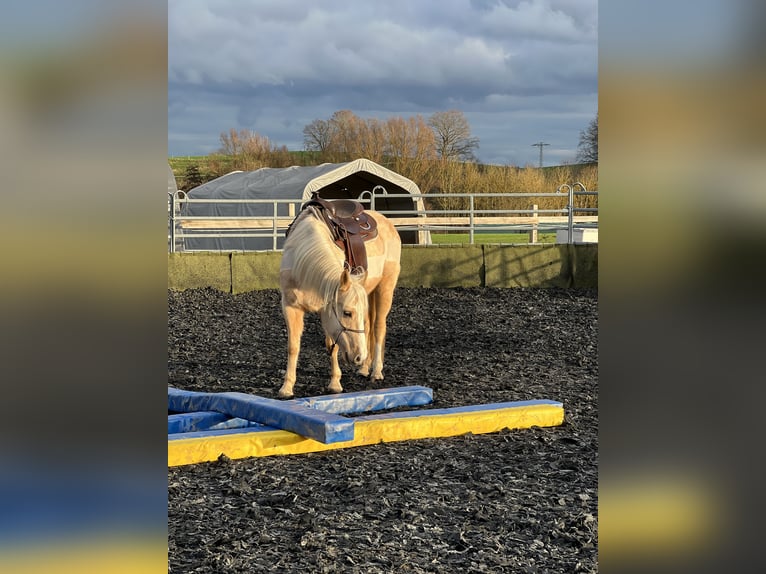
(304, 420)
(205, 420)
(213, 411)
(364, 401)
(188, 422)
(205, 446)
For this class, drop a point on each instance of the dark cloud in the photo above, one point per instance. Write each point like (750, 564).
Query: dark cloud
(274, 66)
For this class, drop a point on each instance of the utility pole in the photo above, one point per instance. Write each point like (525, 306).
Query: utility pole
(540, 145)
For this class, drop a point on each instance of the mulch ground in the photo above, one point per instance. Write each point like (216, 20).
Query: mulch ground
(515, 501)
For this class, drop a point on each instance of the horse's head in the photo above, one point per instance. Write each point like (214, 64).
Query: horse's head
(343, 320)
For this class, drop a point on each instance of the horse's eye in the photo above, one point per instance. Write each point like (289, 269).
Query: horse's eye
(347, 314)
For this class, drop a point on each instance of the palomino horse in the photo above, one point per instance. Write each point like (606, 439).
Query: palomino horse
(353, 307)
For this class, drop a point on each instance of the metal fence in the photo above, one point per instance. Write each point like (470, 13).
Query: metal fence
(435, 217)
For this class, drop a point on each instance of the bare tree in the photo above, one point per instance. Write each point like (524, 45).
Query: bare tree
(247, 149)
(231, 143)
(372, 139)
(317, 136)
(244, 142)
(345, 128)
(587, 150)
(411, 148)
(453, 136)
(410, 138)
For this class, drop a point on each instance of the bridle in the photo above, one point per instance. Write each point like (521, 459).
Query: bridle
(343, 328)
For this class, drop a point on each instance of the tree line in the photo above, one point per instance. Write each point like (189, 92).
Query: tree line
(437, 153)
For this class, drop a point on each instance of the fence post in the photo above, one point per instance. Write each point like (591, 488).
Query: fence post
(174, 200)
(570, 215)
(274, 226)
(471, 220)
(533, 231)
(172, 221)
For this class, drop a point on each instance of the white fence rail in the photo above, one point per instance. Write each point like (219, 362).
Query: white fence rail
(467, 219)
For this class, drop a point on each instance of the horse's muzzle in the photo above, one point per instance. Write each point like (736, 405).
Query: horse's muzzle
(352, 359)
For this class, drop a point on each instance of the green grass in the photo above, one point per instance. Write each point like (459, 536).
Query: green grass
(483, 238)
(179, 163)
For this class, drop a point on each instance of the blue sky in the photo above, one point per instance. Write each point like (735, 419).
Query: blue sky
(521, 72)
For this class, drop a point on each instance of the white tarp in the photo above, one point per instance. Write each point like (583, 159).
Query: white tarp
(332, 181)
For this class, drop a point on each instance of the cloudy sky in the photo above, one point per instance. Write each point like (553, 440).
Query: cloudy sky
(520, 71)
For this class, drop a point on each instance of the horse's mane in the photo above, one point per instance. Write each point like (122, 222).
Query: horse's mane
(317, 262)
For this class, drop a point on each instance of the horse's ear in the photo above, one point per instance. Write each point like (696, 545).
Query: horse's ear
(345, 280)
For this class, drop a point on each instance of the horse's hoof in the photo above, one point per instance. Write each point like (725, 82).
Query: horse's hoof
(285, 396)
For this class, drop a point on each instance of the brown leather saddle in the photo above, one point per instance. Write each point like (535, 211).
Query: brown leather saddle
(350, 226)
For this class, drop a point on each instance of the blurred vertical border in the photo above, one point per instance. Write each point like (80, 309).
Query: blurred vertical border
(682, 266)
(83, 305)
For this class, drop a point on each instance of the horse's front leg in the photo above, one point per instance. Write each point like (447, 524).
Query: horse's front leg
(379, 348)
(335, 373)
(383, 300)
(294, 321)
(369, 330)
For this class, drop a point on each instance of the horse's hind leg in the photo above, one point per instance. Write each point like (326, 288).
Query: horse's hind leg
(369, 328)
(382, 298)
(294, 321)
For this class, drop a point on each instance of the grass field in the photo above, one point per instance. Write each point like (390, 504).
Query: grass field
(179, 163)
(484, 238)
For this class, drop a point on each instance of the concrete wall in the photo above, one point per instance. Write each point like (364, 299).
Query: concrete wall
(422, 266)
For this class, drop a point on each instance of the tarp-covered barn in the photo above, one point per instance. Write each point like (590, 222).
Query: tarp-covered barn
(332, 181)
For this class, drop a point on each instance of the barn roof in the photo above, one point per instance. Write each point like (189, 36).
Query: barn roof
(331, 180)
(300, 181)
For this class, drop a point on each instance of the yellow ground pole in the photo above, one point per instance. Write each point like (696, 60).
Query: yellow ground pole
(369, 430)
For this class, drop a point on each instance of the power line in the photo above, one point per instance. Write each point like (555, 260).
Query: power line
(540, 145)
